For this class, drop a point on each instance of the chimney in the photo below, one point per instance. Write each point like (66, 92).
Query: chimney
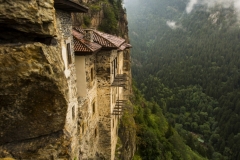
(88, 35)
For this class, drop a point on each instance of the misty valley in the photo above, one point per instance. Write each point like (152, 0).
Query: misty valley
(186, 68)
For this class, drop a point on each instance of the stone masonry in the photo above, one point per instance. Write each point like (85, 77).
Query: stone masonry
(55, 104)
(38, 95)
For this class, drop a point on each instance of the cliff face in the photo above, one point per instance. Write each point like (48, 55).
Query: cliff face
(37, 81)
(107, 16)
(31, 92)
(33, 87)
(32, 16)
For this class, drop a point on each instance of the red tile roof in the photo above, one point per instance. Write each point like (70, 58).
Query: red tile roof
(124, 46)
(107, 40)
(104, 39)
(79, 29)
(82, 46)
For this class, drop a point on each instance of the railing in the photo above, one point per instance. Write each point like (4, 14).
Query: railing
(120, 80)
(119, 107)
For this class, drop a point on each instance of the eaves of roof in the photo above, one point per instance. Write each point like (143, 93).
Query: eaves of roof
(124, 46)
(70, 6)
(82, 46)
(107, 40)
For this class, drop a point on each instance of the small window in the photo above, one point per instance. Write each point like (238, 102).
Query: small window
(92, 74)
(116, 63)
(126, 66)
(69, 53)
(73, 112)
(93, 107)
(126, 56)
(112, 68)
(95, 132)
(83, 127)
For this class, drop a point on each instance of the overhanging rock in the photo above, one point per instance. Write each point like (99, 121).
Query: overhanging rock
(33, 87)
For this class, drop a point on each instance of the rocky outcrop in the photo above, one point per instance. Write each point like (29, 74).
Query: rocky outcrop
(32, 16)
(31, 91)
(127, 137)
(36, 112)
(96, 16)
(52, 146)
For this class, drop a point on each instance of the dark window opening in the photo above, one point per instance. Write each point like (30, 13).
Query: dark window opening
(82, 128)
(69, 53)
(95, 132)
(93, 107)
(73, 112)
(112, 68)
(92, 74)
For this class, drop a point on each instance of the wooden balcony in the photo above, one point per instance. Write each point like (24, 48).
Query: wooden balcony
(120, 80)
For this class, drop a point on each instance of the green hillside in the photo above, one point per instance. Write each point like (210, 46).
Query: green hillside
(156, 139)
(189, 64)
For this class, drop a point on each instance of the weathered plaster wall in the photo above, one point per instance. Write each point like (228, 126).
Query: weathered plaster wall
(106, 95)
(120, 71)
(64, 23)
(81, 76)
(127, 70)
(88, 107)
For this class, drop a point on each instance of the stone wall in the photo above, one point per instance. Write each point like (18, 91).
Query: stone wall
(41, 114)
(64, 24)
(107, 99)
(88, 107)
(127, 70)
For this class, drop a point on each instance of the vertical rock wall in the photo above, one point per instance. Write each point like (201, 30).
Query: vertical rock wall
(35, 95)
(105, 94)
(33, 16)
(31, 93)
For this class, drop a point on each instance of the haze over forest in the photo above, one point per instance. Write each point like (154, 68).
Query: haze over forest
(186, 64)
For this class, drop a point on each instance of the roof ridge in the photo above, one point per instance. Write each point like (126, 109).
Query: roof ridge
(104, 37)
(79, 40)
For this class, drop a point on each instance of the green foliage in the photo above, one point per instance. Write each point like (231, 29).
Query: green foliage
(192, 72)
(137, 157)
(109, 23)
(95, 8)
(127, 133)
(86, 20)
(156, 138)
(113, 15)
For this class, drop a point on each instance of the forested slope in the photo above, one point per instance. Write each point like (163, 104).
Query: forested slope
(189, 63)
(156, 138)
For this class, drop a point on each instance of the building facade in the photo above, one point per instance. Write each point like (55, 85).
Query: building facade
(101, 56)
(62, 90)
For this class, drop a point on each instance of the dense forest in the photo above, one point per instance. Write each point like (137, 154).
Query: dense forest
(187, 64)
(156, 138)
